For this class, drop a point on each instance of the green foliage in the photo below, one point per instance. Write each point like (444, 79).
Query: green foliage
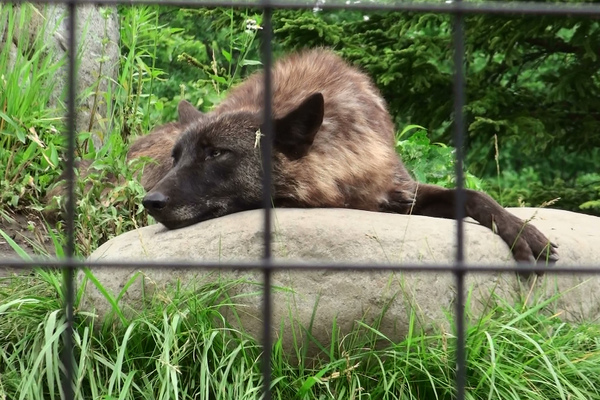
(29, 140)
(181, 346)
(109, 199)
(431, 163)
(206, 51)
(134, 109)
(109, 196)
(524, 188)
(540, 78)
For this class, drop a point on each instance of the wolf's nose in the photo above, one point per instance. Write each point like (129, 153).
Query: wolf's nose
(155, 201)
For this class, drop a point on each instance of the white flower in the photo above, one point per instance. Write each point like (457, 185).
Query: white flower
(251, 25)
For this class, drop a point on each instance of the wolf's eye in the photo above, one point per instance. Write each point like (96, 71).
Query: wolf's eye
(213, 153)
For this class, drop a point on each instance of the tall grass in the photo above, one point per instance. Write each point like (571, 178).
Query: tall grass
(29, 143)
(182, 347)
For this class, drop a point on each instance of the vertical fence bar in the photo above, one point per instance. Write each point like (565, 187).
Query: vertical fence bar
(68, 284)
(266, 154)
(459, 102)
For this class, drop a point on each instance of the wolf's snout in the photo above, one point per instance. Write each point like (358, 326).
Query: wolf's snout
(155, 201)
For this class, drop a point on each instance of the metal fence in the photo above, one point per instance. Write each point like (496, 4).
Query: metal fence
(458, 9)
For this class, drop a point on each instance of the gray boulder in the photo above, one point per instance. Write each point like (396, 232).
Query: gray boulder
(318, 297)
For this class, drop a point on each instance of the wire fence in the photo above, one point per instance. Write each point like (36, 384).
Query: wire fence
(458, 9)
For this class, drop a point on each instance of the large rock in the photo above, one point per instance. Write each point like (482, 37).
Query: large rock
(354, 236)
(97, 36)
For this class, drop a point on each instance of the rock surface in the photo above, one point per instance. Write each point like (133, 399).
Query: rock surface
(354, 236)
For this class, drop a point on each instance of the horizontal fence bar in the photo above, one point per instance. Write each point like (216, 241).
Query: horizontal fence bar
(292, 265)
(447, 7)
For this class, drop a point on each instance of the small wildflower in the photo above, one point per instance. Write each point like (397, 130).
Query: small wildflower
(251, 25)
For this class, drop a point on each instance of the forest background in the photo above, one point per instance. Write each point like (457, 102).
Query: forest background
(533, 115)
(532, 112)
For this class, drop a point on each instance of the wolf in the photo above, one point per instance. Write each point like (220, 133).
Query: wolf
(333, 146)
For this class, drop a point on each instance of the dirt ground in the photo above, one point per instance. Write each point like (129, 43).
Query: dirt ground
(28, 231)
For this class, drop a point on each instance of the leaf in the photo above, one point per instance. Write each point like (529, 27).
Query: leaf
(251, 62)
(226, 54)
(18, 249)
(53, 154)
(219, 79)
(409, 128)
(20, 135)
(29, 153)
(8, 120)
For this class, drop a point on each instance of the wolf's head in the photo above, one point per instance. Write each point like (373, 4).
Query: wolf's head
(217, 168)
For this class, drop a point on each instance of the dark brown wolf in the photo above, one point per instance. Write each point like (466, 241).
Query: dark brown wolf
(333, 146)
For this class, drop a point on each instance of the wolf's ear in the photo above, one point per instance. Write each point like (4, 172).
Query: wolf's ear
(295, 132)
(187, 112)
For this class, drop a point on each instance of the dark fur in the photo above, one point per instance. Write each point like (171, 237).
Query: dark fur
(333, 147)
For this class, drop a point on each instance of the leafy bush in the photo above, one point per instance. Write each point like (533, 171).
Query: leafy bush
(107, 206)
(206, 51)
(431, 163)
(525, 188)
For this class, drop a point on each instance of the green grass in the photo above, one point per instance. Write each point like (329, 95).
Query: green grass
(32, 133)
(182, 347)
(29, 143)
